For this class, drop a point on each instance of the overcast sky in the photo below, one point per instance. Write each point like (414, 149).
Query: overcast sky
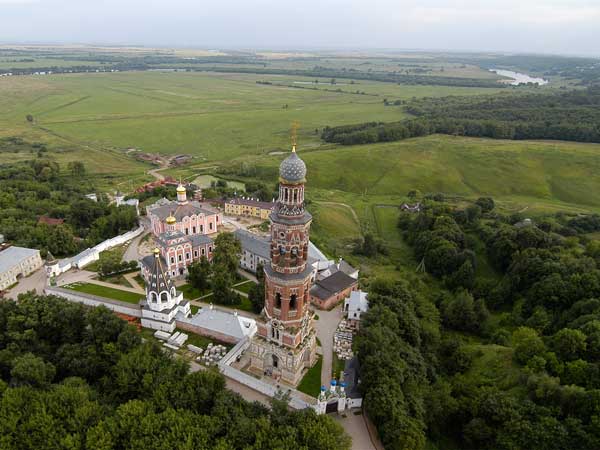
(546, 26)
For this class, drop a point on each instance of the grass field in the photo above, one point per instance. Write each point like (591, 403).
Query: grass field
(311, 382)
(103, 291)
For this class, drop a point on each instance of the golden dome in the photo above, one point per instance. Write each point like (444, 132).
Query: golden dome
(171, 220)
(157, 252)
(181, 189)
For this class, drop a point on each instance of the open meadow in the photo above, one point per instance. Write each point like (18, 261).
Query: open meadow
(232, 121)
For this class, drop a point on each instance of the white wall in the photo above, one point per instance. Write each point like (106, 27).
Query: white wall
(92, 300)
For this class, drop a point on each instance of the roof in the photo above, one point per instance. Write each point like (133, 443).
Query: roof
(251, 202)
(50, 220)
(331, 285)
(180, 210)
(351, 378)
(12, 256)
(200, 239)
(253, 243)
(293, 169)
(159, 278)
(229, 324)
(358, 301)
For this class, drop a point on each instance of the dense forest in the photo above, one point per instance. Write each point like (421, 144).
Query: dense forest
(538, 305)
(566, 115)
(79, 378)
(37, 189)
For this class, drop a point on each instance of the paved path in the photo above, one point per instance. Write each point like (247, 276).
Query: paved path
(132, 252)
(356, 427)
(74, 276)
(326, 326)
(130, 277)
(34, 282)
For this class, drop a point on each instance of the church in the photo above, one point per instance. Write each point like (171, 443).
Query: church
(182, 230)
(285, 343)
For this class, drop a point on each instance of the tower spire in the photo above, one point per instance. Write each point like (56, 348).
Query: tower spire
(295, 126)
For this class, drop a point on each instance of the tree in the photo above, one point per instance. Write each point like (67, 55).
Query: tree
(569, 344)
(526, 344)
(199, 274)
(77, 169)
(222, 287)
(29, 369)
(485, 203)
(226, 253)
(29, 118)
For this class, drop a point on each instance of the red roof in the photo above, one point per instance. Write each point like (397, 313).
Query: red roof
(50, 220)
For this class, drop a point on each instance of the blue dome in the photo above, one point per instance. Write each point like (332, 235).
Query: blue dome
(323, 389)
(293, 169)
(333, 382)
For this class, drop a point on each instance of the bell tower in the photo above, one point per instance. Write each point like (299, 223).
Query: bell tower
(285, 343)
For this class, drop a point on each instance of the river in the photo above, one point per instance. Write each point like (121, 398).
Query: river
(519, 78)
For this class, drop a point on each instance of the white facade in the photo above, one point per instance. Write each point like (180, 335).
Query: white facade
(355, 306)
(17, 262)
(163, 303)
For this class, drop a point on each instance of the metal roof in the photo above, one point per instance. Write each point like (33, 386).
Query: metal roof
(254, 244)
(13, 256)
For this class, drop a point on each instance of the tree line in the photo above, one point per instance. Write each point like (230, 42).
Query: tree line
(571, 116)
(80, 378)
(36, 188)
(538, 305)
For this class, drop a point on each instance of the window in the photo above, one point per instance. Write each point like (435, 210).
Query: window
(153, 297)
(172, 260)
(209, 249)
(179, 258)
(187, 256)
(194, 229)
(164, 297)
(195, 253)
(202, 251)
(201, 228)
(293, 302)
(210, 226)
(278, 300)
(187, 231)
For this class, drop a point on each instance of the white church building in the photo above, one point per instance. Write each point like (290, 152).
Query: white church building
(163, 303)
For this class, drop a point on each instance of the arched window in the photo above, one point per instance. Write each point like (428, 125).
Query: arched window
(293, 302)
(164, 297)
(173, 292)
(278, 300)
(153, 297)
(295, 195)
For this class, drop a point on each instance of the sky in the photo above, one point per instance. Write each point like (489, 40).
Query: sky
(525, 26)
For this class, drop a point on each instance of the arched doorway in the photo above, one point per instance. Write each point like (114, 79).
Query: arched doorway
(275, 361)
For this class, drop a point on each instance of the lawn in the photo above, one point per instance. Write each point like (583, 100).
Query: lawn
(192, 293)
(244, 286)
(107, 292)
(311, 382)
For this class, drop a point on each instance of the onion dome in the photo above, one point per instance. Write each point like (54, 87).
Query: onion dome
(180, 189)
(292, 170)
(171, 220)
(156, 252)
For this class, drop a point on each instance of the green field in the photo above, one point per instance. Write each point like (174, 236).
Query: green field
(228, 121)
(103, 291)
(311, 382)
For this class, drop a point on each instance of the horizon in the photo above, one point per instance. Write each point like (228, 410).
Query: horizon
(556, 27)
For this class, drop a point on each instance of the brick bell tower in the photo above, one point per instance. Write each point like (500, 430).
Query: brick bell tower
(285, 343)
